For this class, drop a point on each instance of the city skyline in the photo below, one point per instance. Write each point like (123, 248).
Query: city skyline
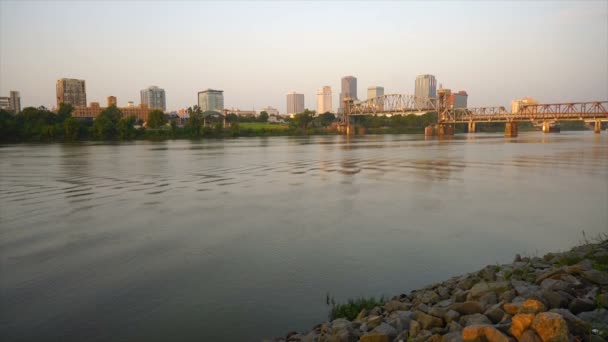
(555, 39)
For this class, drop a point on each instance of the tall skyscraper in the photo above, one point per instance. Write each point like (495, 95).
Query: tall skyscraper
(15, 101)
(348, 90)
(426, 87)
(71, 91)
(374, 92)
(211, 100)
(154, 98)
(295, 103)
(324, 100)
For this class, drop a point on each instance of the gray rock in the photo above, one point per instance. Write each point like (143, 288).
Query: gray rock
(488, 299)
(454, 326)
(428, 321)
(554, 299)
(595, 276)
(415, 328)
(482, 288)
(523, 288)
(422, 336)
(437, 311)
(581, 305)
(454, 336)
(576, 325)
(529, 336)
(429, 297)
(467, 308)
(495, 313)
(555, 285)
(423, 307)
(474, 319)
(402, 337)
(386, 329)
(596, 338)
(597, 316)
(396, 305)
(403, 317)
(451, 315)
(459, 296)
(444, 292)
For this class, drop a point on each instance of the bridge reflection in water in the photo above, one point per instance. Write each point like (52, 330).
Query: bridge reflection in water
(544, 115)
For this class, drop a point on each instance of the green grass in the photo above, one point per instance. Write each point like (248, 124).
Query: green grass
(262, 125)
(352, 307)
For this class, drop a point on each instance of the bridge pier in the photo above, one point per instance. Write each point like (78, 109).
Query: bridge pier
(510, 129)
(472, 127)
(598, 127)
(429, 131)
(444, 130)
(546, 127)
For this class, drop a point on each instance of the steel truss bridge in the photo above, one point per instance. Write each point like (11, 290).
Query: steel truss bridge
(393, 104)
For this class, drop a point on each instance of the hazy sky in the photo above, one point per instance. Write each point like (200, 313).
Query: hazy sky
(259, 51)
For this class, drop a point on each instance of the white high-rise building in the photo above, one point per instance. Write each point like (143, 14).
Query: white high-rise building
(211, 100)
(295, 103)
(154, 98)
(324, 100)
(426, 87)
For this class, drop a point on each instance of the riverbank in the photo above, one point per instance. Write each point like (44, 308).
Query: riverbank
(557, 297)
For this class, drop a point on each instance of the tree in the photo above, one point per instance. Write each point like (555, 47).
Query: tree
(103, 128)
(194, 124)
(303, 119)
(156, 119)
(65, 111)
(232, 118)
(71, 127)
(325, 119)
(7, 125)
(125, 127)
(263, 116)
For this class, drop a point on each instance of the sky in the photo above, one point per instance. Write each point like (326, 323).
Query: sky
(258, 51)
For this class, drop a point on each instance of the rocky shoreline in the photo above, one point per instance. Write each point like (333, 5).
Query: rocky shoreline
(559, 297)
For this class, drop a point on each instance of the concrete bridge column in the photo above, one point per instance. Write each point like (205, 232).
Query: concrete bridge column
(598, 127)
(472, 127)
(510, 129)
(429, 131)
(546, 127)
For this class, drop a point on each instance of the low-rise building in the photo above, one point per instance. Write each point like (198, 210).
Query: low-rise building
(247, 113)
(94, 109)
(270, 110)
(517, 104)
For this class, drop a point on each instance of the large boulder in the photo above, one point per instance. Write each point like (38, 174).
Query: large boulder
(374, 337)
(529, 336)
(519, 324)
(396, 305)
(467, 308)
(494, 313)
(427, 321)
(474, 319)
(386, 329)
(579, 305)
(532, 306)
(550, 327)
(455, 336)
(482, 288)
(481, 333)
(576, 325)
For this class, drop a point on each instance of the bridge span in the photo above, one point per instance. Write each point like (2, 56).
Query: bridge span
(546, 114)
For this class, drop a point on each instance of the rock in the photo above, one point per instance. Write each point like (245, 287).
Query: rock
(467, 283)
(479, 333)
(511, 308)
(376, 311)
(459, 296)
(507, 296)
(549, 274)
(402, 337)
(437, 311)
(595, 276)
(395, 305)
(373, 321)
(519, 324)
(444, 292)
(576, 325)
(482, 288)
(450, 316)
(429, 297)
(361, 315)
(363, 327)
(455, 336)
(402, 317)
(474, 319)
(415, 328)
(453, 326)
(428, 321)
(424, 308)
(488, 299)
(581, 305)
(386, 329)
(529, 336)
(555, 285)
(550, 327)
(494, 313)
(554, 299)
(581, 267)
(523, 288)
(573, 281)
(434, 338)
(596, 338)
(423, 336)
(602, 300)
(374, 337)
(532, 306)
(467, 308)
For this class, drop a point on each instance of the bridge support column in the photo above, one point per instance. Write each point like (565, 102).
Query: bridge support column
(444, 130)
(429, 131)
(472, 127)
(510, 129)
(546, 127)
(598, 127)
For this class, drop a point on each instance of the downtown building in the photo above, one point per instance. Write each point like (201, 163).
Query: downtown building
(426, 87)
(373, 92)
(71, 91)
(324, 100)
(270, 110)
(12, 103)
(295, 103)
(211, 100)
(94, 109)
(458, 99)
(154, 98)
(347, 91)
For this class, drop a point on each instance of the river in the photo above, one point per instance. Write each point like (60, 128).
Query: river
(241, 239)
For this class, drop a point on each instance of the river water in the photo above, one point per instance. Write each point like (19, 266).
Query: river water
(237, 240)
